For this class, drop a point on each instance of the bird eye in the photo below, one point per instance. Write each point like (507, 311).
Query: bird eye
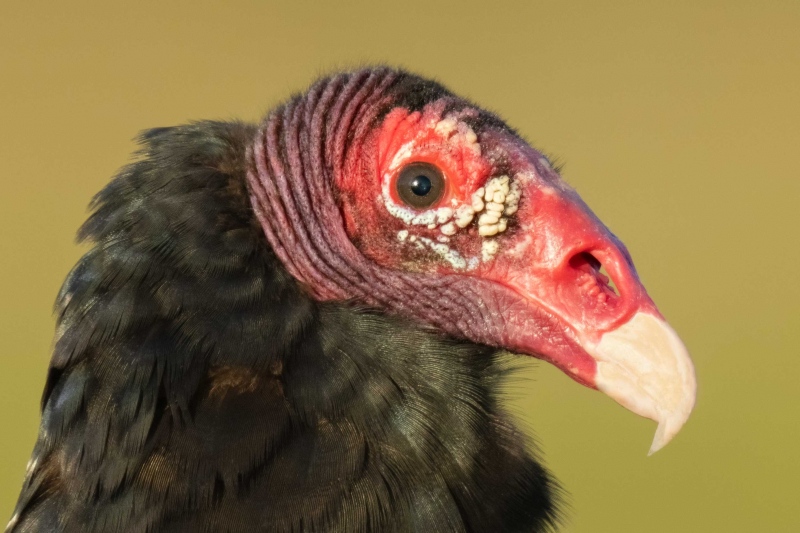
(420, 185)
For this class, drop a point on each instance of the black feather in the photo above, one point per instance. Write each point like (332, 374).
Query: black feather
(194, 386)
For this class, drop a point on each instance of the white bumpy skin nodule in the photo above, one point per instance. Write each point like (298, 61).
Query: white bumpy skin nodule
(492, 204)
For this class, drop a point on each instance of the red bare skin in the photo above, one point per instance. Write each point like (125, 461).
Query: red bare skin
(543, 284)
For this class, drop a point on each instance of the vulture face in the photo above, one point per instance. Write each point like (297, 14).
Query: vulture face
(386, 189)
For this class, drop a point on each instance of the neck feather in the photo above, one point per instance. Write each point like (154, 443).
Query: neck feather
(195, 385)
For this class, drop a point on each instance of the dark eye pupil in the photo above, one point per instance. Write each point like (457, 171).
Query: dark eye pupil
(421, 185)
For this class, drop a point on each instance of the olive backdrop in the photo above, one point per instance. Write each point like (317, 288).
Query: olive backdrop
(679, 123)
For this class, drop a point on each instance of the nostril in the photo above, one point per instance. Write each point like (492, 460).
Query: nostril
(608, 280)
(593, 277)
(585, 262)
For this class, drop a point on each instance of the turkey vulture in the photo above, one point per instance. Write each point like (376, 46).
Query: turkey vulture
(303, 325)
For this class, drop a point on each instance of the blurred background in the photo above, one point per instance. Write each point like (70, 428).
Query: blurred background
(679, 123)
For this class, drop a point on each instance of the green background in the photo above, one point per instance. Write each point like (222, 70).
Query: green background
(679, 123)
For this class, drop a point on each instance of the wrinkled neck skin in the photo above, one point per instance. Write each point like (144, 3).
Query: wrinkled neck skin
(200, 383)
(300, 152)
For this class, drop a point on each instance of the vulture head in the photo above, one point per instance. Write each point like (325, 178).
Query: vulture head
(303, 325)
(389, 190)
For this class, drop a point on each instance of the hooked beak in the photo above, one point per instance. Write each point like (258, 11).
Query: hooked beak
(645, 367)
(616, 342)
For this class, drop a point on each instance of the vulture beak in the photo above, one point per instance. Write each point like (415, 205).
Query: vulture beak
(614, 340)
(644, 366)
